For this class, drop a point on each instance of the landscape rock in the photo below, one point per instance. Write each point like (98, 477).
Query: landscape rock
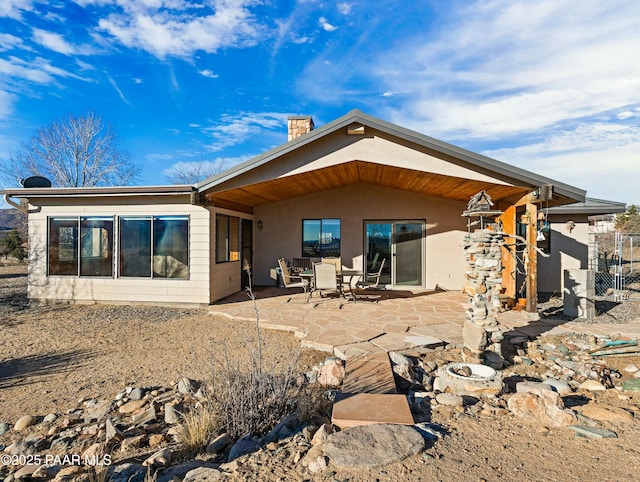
(179, 472)
(132, 406)
(373, 445)
(136, 394)
(244, 445)
(172, 413)
(545, 406)
(26, 471)
(97, 411)
(187, 386)
(24, 422)
(50, 418)
(4, 428)
(162, 458)
(318, 465)
(532, 387)
(593, 432)
(132, 443)
(332, 373)
(450, 399)
(218, 444)
(592, 386)
(127, 472)
(321, 435)
(560, 386)
(203, 474)
(606, 413)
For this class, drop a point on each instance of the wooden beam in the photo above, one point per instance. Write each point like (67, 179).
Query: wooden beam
(532, 258)
(508, 219)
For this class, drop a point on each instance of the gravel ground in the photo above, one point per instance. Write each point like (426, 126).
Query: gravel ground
(550, 306)
(53, 356)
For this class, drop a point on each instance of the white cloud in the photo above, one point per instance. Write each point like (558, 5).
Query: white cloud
(344, 8)
(234, 129)
(9, 42)
(117, 89)
(38, 70)
(170, 28)
(137, 80)
(208, 73)
(14, 8)
(53, 41)
(326, 25)
(7, 102)
(625, 115)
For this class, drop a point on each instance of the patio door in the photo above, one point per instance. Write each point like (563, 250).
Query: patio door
(401, 244)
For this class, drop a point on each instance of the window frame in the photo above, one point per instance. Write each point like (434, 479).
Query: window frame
(78, 247)
(152, 244)
(319, 251)
(229, 255)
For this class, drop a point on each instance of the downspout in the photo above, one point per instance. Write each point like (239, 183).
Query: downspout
(19, 207)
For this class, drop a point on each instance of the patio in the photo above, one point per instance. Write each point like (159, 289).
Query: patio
(400, 320)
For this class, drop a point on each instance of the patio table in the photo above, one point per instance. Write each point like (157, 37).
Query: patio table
(345, 273)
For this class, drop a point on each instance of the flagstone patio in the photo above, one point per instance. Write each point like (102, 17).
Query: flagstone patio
(400, 320)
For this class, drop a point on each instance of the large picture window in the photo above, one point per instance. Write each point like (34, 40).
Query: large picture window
(227, 238)
(154, 247)
(320, 238)
(80, 246)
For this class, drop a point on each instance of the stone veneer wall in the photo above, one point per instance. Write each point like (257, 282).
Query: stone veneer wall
(481, 334)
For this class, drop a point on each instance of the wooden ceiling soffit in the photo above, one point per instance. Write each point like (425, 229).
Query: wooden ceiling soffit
(227, 204)
(331, 177)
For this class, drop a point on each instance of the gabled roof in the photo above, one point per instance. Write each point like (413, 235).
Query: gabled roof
(438, 148)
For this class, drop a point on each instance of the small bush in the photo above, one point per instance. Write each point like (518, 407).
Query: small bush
(251, 399)
(197, 427)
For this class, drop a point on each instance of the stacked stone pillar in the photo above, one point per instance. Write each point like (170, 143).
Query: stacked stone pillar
(481, 334)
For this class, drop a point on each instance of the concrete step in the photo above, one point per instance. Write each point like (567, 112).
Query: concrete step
(352, 410)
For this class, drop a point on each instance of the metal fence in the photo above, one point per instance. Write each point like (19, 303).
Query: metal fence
(615, 258)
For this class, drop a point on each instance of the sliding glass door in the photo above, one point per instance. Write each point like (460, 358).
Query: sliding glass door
(401, 245)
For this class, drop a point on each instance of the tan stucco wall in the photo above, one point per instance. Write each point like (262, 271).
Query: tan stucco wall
(569, 250)
(194, 290)
(281, 235)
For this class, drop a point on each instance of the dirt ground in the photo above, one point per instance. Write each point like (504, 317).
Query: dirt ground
(52, 356)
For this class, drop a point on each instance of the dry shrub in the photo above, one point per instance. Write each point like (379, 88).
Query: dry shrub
(252, 397)
(313, 404)
(197, 426)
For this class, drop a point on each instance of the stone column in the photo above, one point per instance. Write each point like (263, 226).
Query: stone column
(481, 334)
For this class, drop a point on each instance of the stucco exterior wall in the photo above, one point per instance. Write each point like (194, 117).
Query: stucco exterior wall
(281, 235)
(194, 290)
(569, 250)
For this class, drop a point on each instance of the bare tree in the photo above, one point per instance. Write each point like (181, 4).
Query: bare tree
(74, 152)
(192, 172)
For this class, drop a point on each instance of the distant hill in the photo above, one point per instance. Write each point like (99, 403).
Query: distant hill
(11, 218)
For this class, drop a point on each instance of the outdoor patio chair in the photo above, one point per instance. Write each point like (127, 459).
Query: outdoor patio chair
(291, 281)
(301, 264)
(372, 281)
(325, 280)
(337, 262)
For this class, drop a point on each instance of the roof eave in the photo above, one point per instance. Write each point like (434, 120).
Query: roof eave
(356, 116)
(172, 190)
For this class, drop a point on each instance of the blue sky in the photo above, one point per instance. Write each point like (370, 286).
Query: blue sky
(552, 86)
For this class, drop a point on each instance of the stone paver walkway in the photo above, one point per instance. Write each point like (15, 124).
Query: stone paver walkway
(400, 320)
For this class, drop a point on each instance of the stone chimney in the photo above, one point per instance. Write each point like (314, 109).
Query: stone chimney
(299, 126)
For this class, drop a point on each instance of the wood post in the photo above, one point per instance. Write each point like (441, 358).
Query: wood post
(508, 219)
(532, 259)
